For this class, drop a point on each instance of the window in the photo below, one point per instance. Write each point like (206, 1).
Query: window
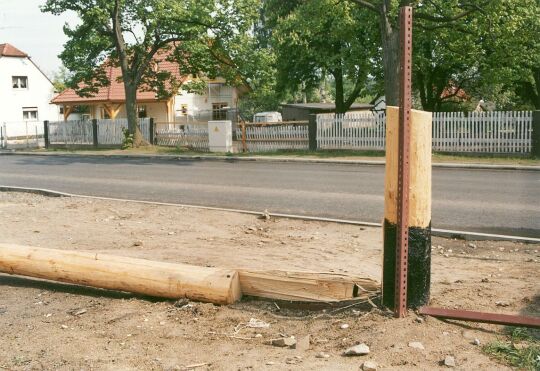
(219, 91)
(104, 114)
(19, 82)
(141, 111)
(30, 113)
(219, 111)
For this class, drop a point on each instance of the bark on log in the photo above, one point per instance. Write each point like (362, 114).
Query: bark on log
(168, 280)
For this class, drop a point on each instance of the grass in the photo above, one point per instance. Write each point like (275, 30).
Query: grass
(519, 349)
(325, 154)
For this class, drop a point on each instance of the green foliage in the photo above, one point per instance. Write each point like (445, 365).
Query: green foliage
(520, 350)
(321, 38)
(145, 27)
(134, 34)
(127, 140)
(60, 79)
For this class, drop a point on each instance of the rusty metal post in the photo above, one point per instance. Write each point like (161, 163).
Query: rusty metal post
(495, 318)
(405, 106)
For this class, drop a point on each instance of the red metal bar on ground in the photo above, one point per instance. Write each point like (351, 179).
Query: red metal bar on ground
(495, 318)
(405, 97)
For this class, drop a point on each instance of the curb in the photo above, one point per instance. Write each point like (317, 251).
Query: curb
(463, 235)
(272, 160)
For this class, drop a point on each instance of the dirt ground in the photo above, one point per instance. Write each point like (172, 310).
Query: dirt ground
(63, 327)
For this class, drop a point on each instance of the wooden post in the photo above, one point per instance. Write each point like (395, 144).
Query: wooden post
(95, 133)
(244, 143)
(419, 230)
(535, 137)
(46, 133)
(167, 280)
(312, 132)
(152, 131)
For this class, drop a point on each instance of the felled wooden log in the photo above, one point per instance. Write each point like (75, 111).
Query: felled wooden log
(306, 286)
(167, 280)
(174, 281)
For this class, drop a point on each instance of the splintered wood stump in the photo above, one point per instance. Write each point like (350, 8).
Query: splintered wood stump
(167, 280)
(306, 286)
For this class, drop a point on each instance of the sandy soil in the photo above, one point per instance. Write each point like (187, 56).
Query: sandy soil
(53, 326)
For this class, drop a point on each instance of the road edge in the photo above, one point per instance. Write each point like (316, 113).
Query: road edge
(463, 235)
(279, 159)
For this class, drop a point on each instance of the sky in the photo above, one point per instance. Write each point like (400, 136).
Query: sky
(38, 34)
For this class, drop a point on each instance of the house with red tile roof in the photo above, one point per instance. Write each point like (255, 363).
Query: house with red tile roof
(25, 91)
(109, 101)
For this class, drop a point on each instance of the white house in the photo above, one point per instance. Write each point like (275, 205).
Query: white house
(184, 107)
(25, 92)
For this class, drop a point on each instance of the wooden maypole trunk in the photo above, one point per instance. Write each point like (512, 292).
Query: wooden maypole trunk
(141, 276)
(419, 223)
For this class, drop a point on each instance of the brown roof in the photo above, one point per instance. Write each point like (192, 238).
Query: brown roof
(8, 50)
(115, 92)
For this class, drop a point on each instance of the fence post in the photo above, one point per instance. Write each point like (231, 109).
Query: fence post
(46, 133)
(312, 132)
(244, 145)
(535, 136)
(151, 131)
(95, 132)
(3, 136)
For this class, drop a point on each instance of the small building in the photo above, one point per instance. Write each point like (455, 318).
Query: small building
(301, 111)
(25, 91)
(184, 107)
(379, 104)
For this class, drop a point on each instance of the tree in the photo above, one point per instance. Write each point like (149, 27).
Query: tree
(60, 79)
(439, 13)
(130, 34)
(513, 47)
(324, 37)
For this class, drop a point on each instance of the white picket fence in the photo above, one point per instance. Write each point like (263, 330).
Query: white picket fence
(110, 131)
(482, 132)
(21, 134)
(475, 132)
(193, 136)
(358, 130)
(71, 133)
(485, 132)
(80, 133)
(268, 138)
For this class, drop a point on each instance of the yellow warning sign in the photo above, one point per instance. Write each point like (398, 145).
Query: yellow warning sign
(216, 129)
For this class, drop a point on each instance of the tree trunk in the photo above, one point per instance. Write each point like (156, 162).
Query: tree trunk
(340, 98)
(391, 51)
(419, 81)
(536, 99)
(131, 112)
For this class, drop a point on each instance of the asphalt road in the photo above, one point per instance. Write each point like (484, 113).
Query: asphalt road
(489, 201)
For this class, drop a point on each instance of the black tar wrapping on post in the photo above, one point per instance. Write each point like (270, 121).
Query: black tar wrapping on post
(419, 268)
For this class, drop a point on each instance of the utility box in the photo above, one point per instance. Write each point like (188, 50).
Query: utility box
(220, 136)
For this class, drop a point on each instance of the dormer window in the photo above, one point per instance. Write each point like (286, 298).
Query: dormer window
(19, 82)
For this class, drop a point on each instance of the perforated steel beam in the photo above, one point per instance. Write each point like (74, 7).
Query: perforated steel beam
(405, 106)
(495, 318)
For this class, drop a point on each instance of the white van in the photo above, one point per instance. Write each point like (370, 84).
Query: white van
(272, 116)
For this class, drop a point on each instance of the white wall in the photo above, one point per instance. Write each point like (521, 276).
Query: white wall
(197, 102)
(38, 93)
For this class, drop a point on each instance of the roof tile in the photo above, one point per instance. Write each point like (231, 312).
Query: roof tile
(115, 91)
(8, 50)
